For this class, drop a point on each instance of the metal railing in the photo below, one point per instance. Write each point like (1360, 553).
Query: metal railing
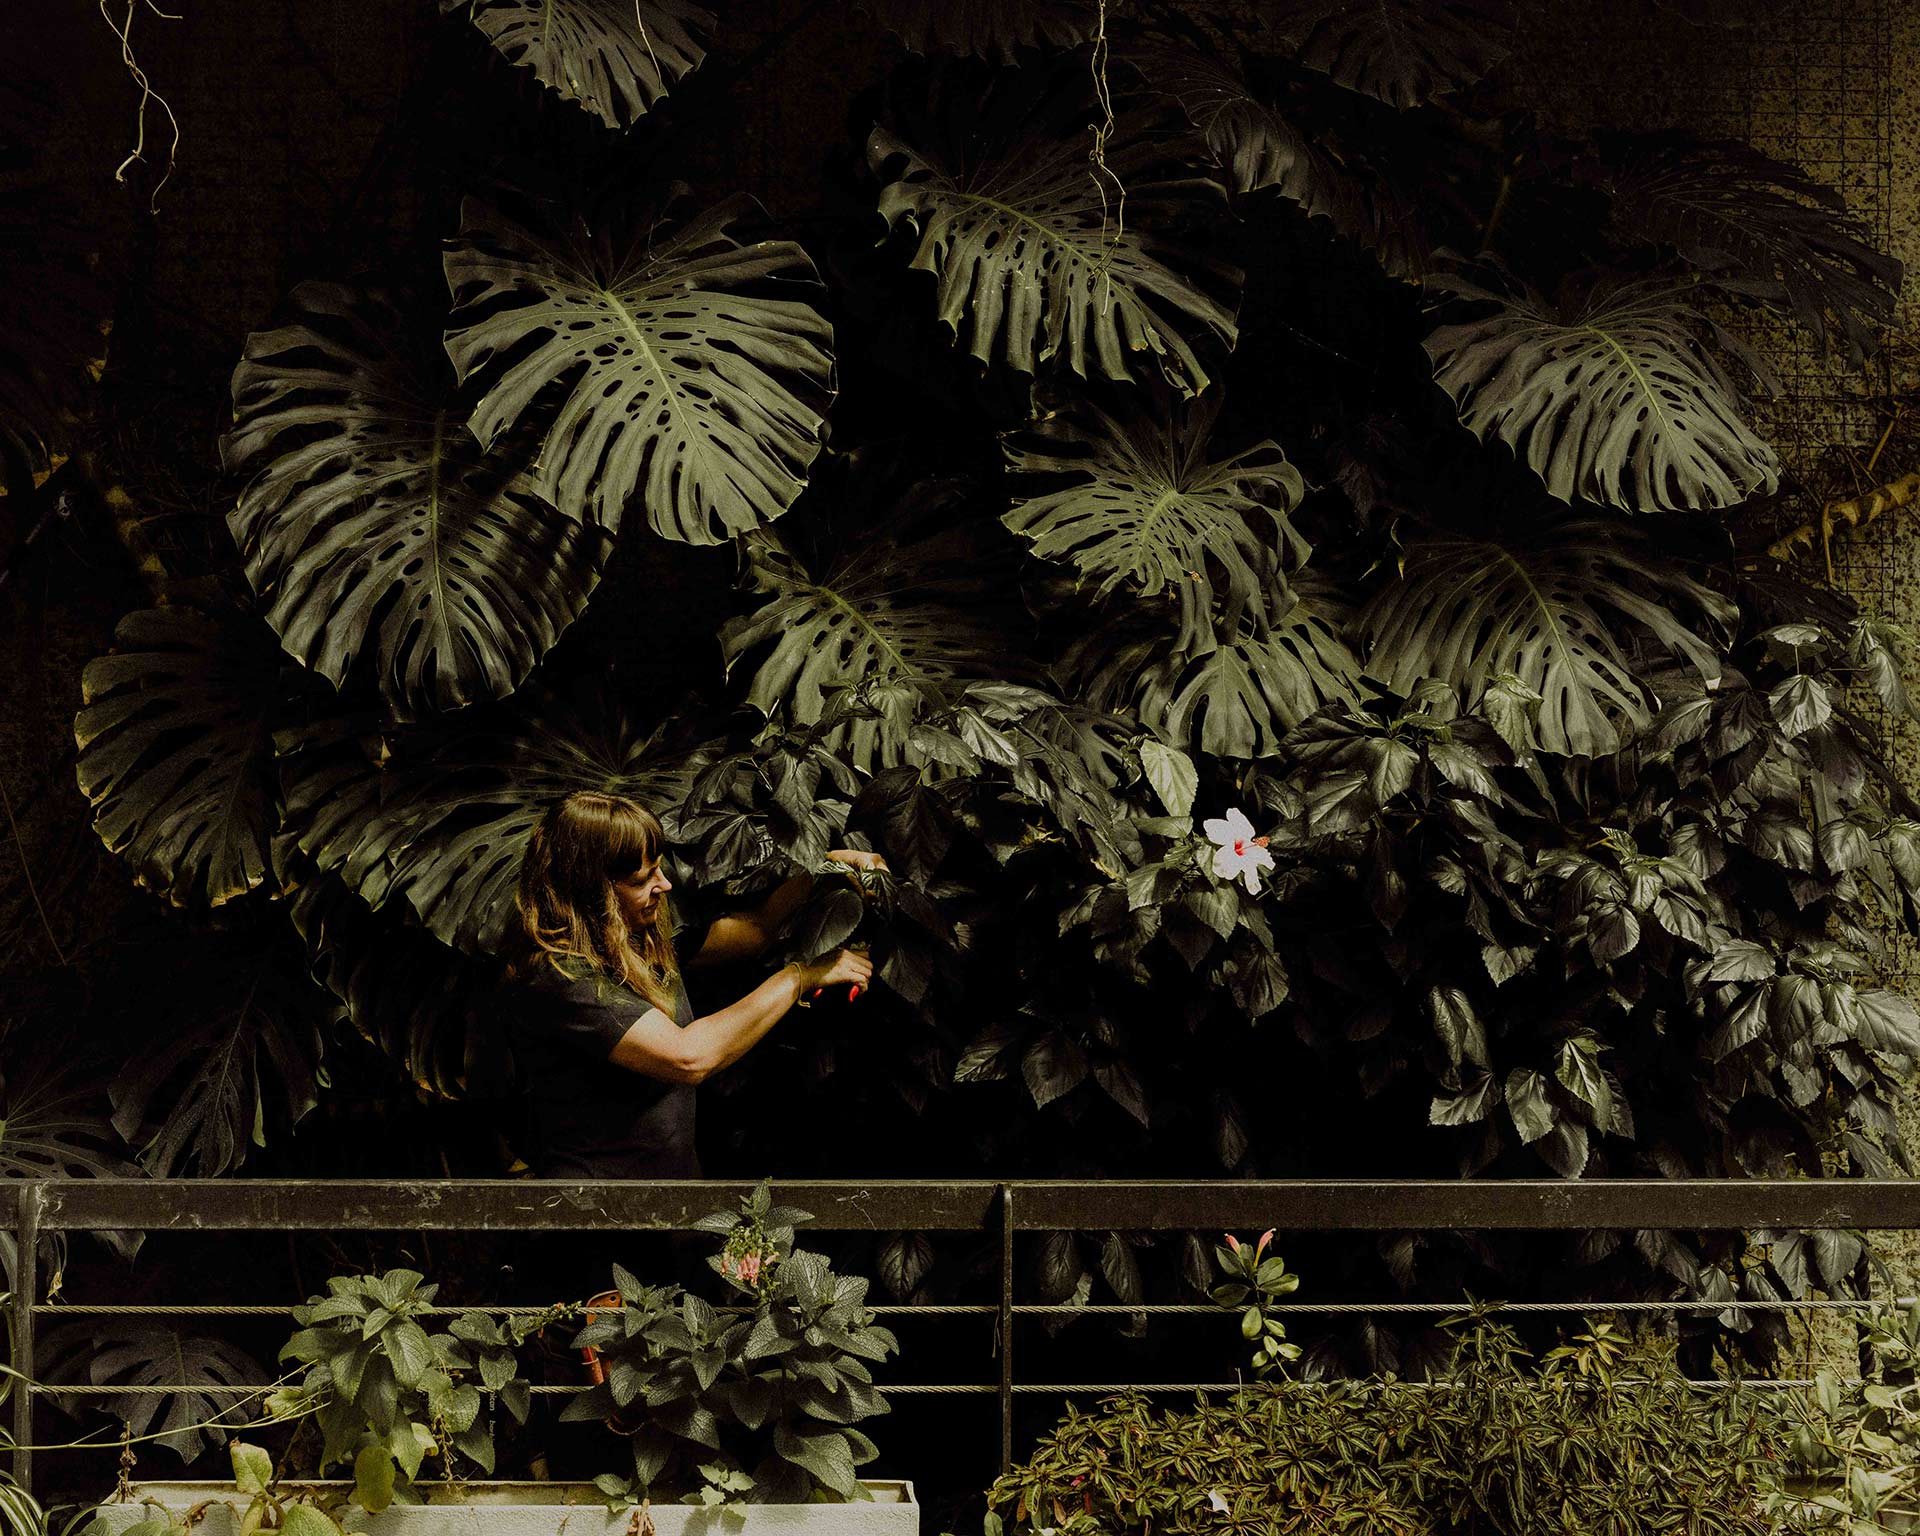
(1002, 1208)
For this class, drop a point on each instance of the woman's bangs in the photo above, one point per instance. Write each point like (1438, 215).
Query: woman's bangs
(632, 837)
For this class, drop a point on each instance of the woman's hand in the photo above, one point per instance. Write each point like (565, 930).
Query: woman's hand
(843, 965)
(856, 858)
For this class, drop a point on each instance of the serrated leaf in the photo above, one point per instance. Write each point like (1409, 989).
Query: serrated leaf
(305, 1520)
(692, 371)
(1533, 1111)
(252, 1466)
(1476, 1104)
(1172, 774)
(1053, 1065)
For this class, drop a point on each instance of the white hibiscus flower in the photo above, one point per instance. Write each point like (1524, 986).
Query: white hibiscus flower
(1237, 853)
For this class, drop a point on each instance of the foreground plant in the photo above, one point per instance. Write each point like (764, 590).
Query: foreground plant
(1499, 1445)
(749, 1405)
(388, 1394)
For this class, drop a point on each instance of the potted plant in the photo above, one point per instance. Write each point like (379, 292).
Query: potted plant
(741, 1416)
(752, 1405)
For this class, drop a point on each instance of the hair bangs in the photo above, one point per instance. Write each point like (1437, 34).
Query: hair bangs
(631, 837)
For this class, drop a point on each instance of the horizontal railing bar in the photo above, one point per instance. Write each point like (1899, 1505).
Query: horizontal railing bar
(211, 1309)
(911, 1388)
(481, 1205)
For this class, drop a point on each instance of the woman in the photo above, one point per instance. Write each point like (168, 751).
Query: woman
(606, 1040)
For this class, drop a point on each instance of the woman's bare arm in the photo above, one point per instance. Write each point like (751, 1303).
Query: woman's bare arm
(655, 1046)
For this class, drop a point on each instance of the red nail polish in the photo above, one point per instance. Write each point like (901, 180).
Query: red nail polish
(853, 991)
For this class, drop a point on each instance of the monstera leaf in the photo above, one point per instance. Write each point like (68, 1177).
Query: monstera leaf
(1239, 698)
(196, 1100)
(440, 817)
(914, 618)
(986, 29)
(1548, 611)
(1153, 513)
(176, 751)
(1618, 404)
(1033, 260)
(1403, 52)
(617, 58)
(372, 515)
(1758, 227)
(213, 1377)
(1256, 147)
(687, 369)
(424, 1004)
(51, 1128)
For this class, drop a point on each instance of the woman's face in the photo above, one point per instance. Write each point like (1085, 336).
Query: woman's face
(640, 893)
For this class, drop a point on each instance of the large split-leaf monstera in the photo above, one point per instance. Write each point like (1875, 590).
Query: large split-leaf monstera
(195, 1103)
(616, 58)
(1035, 263)
(1619, 403)
(1151, 511)
(880, 618)
(1402, 52)
(1545, 610)
(422, 1002)
(691, 371)
(1236, 699)
(176, 751)
(443, 823)
(373, 516)
(1757, 228)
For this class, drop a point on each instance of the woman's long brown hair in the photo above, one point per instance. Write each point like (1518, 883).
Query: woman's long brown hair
(569, 916)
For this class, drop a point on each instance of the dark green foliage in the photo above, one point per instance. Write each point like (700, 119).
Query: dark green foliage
(387, 1393)
(690, 368)
(1156, 492)
(616, 59)
(1601, 1434)
(375, 523)
(755, 1405)
(176, 751)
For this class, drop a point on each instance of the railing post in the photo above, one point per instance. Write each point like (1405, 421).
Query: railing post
(1006, 1328)
(26, 1282)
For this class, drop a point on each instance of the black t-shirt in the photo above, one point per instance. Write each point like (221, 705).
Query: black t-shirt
(587, 1118)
